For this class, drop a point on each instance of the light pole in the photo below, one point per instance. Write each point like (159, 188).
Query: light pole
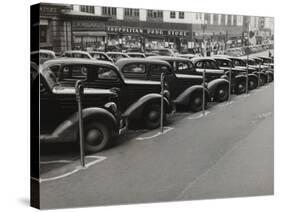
(204, 27)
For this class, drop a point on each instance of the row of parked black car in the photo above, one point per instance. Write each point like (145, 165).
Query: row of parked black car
(118, 95)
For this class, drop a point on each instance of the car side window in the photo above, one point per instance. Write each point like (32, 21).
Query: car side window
(156, 69)
(134, 68)
(223, 63)
(199, 64)
(74, 72)
(210, 64)
(183, 67)
(105, 73)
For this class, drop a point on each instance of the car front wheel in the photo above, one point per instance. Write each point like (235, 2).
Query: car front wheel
(152, 116)
(240, 87)
(96, 137)
(221, 93)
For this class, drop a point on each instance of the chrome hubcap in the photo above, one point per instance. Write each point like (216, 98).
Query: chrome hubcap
(94, 137)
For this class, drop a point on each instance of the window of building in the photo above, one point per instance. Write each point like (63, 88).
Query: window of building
(181, 15)
(131, 12)
(215, 19)
(155, 13)
(222, 19)
(229, 20)
(172, 14)
(207, 17)
(87, 9)
(111, 11)
(235, 20)
(43, 34)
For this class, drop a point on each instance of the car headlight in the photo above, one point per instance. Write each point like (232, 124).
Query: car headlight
(112, 107)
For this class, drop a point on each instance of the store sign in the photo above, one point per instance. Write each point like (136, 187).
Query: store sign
(177, 33)
(148, 31)
(124, 29)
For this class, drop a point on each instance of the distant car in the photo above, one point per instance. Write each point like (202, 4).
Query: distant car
(115, 56)
(166, 52)
(238, 75)
(42, 56)
(187, 73)
(185, 90)
(77, 54)
(136, 54)
(100, 56)
(187, 56)
(147, 54)
(139, 100)
(58, 111)
(239, 62)
(267, 61)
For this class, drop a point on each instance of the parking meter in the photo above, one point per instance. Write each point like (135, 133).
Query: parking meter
(162, 79)
(79, 90)
(203, 94)
(229, 90)
(247, 72)
(259, 74)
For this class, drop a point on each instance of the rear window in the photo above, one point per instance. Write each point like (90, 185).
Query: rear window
(136, 68)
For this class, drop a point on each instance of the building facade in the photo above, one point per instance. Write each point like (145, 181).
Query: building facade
(65, 27)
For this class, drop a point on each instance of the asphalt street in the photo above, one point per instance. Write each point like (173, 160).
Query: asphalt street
(226, 153)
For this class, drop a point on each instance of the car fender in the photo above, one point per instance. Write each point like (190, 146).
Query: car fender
(68, 130)
(184, 97)
(212, 86)
(253, 76)
(135, 110)
(239, 77)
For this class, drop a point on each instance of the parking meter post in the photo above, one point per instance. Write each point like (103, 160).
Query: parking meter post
(229, 90)
(259, 76)
(203, 90)
(162, 103)
(79, 92)
(247, 72)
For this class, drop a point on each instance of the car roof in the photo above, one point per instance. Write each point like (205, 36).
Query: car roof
(96, 52)
(196, 59)
(256, 58)
(168, 58)
(136, 53)
(222, 58)
(116, 53)
(76, 51)
(85, 61)
(43, 51)
(120, 63)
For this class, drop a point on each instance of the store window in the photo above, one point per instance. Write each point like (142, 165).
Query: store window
(173, 15)
(87, 9)
(181, 15)
(110, 11)
(207, 18)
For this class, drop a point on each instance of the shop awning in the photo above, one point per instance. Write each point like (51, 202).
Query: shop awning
(90, 33)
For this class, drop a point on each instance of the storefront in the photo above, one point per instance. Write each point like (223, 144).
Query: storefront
(147, 36)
